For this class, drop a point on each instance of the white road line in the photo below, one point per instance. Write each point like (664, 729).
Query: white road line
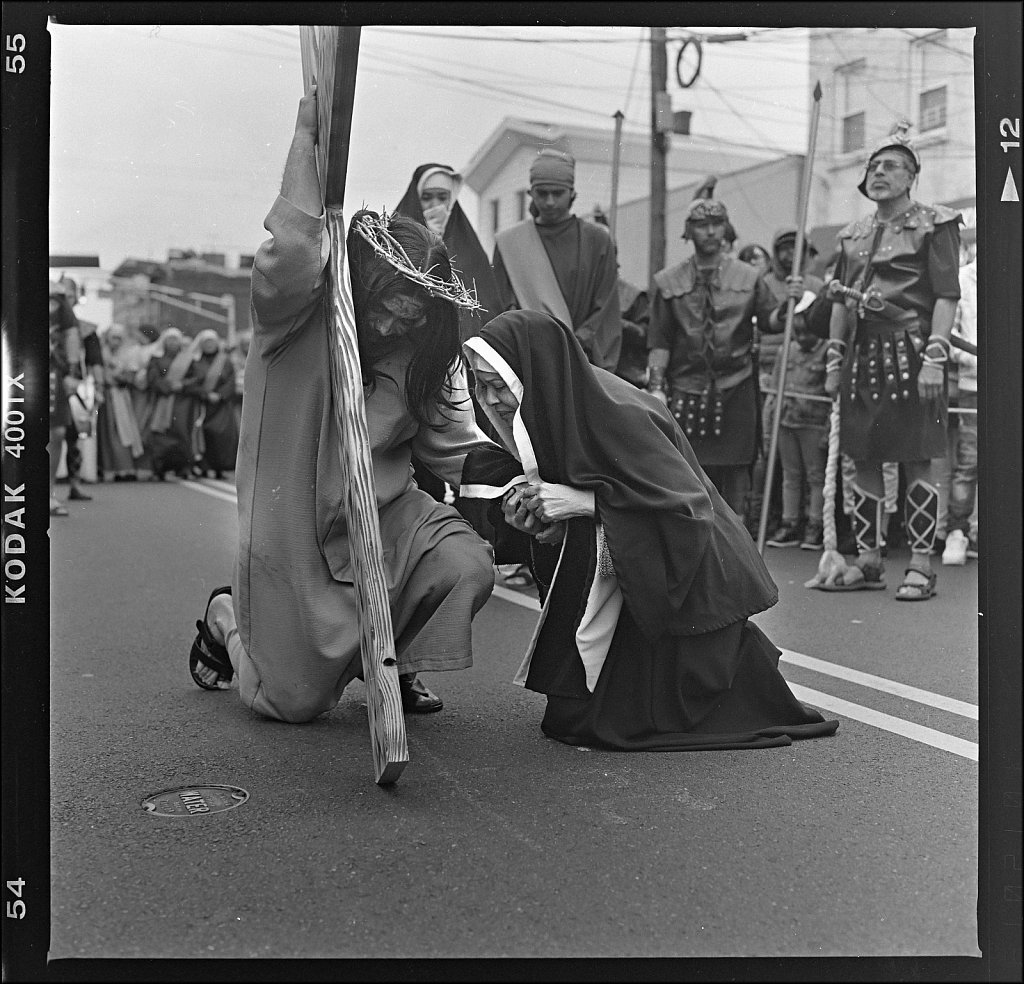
(880, 683)
(524, 601)
(886, 722)
(209, 490)
(222, 483)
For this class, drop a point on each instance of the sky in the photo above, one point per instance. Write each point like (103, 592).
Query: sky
(173, 136)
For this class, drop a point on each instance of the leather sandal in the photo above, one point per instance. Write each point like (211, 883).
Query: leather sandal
(914, 590)
(869, 579)
(206, 650)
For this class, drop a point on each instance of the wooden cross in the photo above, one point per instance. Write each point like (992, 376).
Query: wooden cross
(329, 57)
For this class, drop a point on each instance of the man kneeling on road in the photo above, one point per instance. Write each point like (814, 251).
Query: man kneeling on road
(287, 626)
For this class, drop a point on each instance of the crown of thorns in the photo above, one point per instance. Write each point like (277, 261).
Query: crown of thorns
(375, 232)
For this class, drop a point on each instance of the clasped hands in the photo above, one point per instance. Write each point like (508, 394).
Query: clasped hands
(541, 508)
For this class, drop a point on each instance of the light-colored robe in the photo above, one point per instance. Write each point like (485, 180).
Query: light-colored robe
(293, 590)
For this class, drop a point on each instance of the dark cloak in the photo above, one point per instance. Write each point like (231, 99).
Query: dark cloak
(685, 669)
(685, 563)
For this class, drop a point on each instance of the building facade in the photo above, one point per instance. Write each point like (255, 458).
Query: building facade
(198, 283)
(873, 78)
(499, 171)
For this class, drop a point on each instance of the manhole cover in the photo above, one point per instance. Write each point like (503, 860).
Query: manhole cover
(194, 801)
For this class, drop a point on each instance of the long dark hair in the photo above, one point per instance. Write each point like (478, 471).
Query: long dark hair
(437, 352)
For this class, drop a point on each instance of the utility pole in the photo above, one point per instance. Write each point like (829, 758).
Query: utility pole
(661, 124)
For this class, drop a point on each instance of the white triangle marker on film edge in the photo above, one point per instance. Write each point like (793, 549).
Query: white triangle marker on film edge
(1009, 188)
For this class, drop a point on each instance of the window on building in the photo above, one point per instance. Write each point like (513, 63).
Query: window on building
(936, 59)
(851, 88)
(521, 199)
(495, 214)
(933, 109)
(853, 132)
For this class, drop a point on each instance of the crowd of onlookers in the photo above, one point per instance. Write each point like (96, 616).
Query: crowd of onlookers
(156, 403)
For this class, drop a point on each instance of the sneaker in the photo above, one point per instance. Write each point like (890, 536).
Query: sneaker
(787, 535)
(972, 548)
(955, 552)
(813, 537)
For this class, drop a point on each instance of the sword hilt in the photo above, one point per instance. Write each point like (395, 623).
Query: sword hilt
(869, 300)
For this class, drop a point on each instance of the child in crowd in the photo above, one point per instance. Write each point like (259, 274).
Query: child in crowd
(803, 440)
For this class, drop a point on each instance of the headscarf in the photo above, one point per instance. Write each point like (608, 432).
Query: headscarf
(467, 255)
(163, 408)
(553, 167)
(204, 336)
(435, 218)
(119, 403)
(684, 561)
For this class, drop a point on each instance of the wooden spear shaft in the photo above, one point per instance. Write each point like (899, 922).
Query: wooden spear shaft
(613, 208)
(783, 356)
(336, 55)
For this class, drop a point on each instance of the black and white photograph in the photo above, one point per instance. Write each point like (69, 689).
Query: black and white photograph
(512, 493)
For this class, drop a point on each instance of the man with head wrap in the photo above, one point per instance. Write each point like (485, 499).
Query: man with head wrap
(700, 343)
(899, 270)
(557, 264)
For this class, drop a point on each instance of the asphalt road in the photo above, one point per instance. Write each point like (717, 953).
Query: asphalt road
(496, 841)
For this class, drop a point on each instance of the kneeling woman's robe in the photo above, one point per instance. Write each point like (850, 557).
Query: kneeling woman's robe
(644, 641)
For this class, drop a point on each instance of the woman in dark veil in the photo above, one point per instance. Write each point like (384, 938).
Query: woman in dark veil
(648, 579)
(432, 199)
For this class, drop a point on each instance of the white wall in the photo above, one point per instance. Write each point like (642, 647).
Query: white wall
(759, 199)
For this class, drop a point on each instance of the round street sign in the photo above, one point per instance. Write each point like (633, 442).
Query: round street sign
(194, 801)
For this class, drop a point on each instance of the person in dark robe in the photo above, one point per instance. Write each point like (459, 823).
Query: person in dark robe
(648, 581)
(169, 424)
(556, 263)
(65, 353)
(211, 384)
(432, 200)
(635, 312)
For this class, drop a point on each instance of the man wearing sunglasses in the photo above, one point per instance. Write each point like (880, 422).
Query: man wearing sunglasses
(887, 358)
